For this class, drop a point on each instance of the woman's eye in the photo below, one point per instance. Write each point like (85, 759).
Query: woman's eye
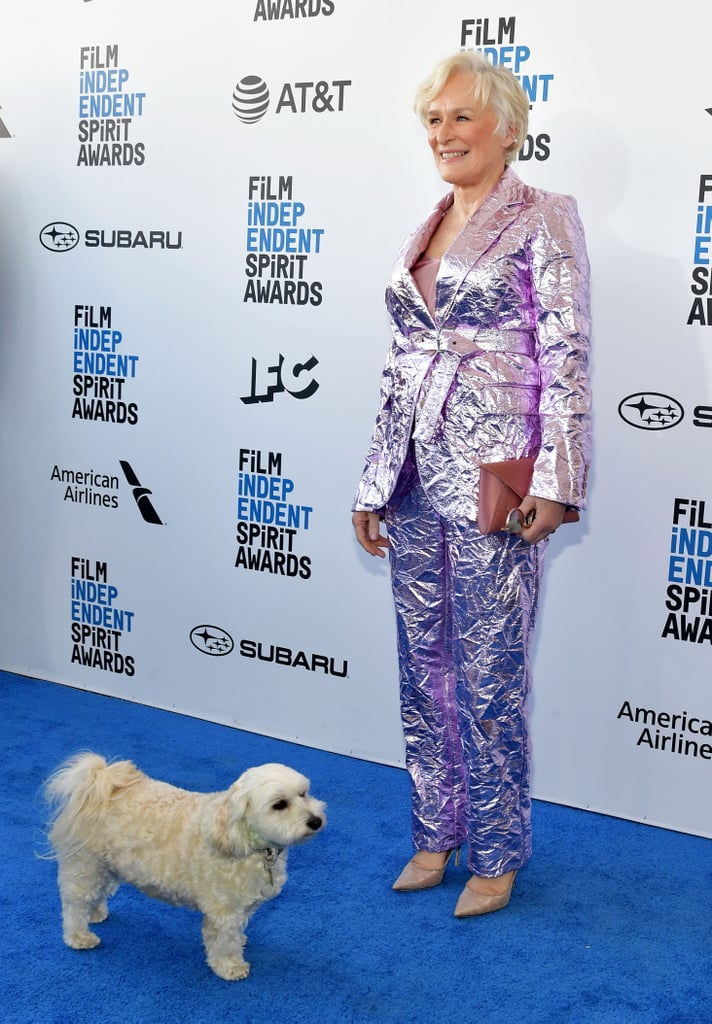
(281, 805)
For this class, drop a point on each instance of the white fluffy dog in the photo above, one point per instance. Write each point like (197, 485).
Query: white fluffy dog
(224, 854)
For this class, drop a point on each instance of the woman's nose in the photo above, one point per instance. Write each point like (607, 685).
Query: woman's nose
(444, 131)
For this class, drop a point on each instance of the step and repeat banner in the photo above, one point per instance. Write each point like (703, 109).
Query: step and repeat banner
(198, 214)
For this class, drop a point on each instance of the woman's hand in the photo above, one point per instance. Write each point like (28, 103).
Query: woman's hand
(367, 527)
(545, 517)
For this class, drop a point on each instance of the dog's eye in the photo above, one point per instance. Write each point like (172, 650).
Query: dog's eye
(303, 794)
(281, 805)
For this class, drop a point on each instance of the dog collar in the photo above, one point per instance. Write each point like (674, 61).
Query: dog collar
(270, 854)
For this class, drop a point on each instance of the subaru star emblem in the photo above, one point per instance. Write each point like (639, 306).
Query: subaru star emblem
(211, 640)
(59, 236)
(649, 410)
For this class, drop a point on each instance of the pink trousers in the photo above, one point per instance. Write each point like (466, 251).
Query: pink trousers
(465, 609)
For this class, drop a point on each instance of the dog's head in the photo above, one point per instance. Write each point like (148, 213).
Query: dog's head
(268, 806)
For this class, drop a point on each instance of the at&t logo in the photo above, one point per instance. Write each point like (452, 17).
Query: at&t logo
(251, 98)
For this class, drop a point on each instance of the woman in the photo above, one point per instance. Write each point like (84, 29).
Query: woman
(490, 317)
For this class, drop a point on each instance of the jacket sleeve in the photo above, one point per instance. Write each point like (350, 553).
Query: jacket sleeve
(560, 275)
(372, 492)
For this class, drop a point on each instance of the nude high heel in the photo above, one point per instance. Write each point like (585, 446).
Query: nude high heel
(414, 876)
(473, 903)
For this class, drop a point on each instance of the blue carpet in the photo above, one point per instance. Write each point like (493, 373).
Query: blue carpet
(609, 923)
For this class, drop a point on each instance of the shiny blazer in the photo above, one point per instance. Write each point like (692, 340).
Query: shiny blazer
(500, 370)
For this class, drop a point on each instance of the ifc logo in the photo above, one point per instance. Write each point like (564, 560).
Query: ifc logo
(250, 99)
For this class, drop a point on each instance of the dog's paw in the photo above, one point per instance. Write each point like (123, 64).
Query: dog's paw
(230, 968)
(99, 913)
(82, 940)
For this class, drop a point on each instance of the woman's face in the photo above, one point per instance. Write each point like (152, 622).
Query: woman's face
(461, 135)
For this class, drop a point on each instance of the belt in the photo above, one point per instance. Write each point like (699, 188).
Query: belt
(470, 341)
(449, 349)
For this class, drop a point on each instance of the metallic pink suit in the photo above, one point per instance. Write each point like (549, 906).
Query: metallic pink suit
(497, 370)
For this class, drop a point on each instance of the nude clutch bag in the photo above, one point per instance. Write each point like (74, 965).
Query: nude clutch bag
(503, 485)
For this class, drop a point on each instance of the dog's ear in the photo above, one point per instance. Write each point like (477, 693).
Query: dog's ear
(221, 825)
(213, 825)
(239, 799)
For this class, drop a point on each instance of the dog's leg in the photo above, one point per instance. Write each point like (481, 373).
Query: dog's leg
(224, 940)
(100, 910)
(83, 887)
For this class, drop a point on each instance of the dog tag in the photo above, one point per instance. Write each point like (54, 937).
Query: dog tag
(270, 858)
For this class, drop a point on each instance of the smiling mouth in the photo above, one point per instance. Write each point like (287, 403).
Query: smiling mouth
(452, 154)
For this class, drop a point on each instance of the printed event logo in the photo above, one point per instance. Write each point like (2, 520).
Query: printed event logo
(140, 495)
(689, 573)
(108, 109)
(217, 642)
(498, 39)
(688, 619)
(280, 243)
(60, 236)
(672, 732)
(98, 623)
(294, 380)
(251, 98)
(4, 133)
(103, 373)
(701, 276)
(211, 640)
(270, 524)
(279, 10)
(91, 487)
(650, 410)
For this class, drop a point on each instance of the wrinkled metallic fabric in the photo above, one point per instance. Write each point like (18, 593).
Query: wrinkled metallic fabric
(498, 369)
(465, 611)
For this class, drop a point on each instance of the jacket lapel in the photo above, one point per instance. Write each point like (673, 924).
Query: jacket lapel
(494, 216)
(403, 282)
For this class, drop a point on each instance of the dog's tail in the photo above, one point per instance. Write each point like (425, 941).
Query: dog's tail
(78, 793)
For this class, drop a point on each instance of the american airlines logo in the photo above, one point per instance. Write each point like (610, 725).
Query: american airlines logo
(141, 495)
(4, 133)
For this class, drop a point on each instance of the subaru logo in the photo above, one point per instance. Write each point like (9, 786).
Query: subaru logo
(59, 236)
(211, 640)
(649, 410)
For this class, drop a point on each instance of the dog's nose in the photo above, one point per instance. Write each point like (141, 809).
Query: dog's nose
(314, 823)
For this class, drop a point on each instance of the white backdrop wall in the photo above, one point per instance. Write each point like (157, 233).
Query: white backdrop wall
(192, 333)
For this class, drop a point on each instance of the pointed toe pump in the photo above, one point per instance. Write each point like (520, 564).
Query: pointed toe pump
(473, 901)
(414, 876)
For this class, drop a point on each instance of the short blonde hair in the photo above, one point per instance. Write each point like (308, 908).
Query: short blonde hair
(493, 85)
